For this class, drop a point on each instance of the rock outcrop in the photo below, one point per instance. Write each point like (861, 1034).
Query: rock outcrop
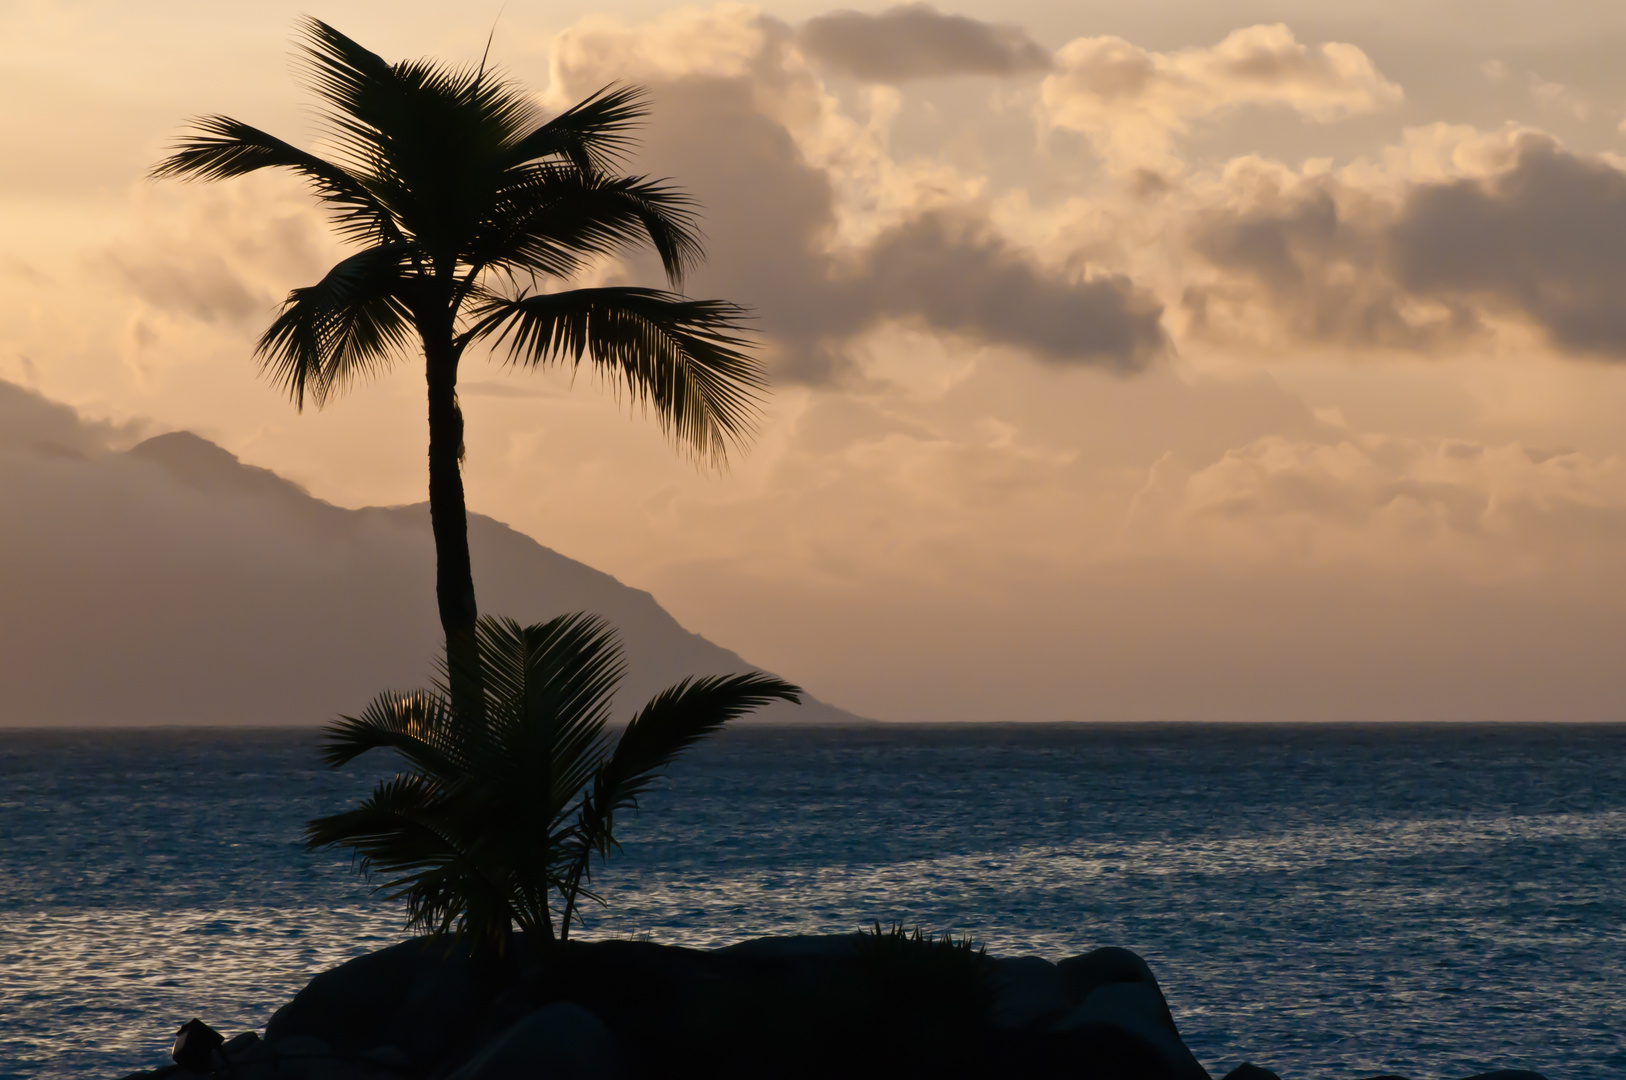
(848, 1005)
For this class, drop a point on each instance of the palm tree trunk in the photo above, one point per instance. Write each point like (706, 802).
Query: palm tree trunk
(449, 519)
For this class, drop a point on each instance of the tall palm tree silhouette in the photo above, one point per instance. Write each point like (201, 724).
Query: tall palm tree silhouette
(464, 198)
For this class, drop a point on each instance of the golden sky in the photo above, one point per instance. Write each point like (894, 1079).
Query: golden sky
(1195, 361)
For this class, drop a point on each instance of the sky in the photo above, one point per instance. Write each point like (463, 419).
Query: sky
(1130, 362)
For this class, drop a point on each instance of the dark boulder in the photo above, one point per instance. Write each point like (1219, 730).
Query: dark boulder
(1028, 993)
(812, 1006)
(1122, 1026)
(657, 1000)
(1081, 976)
(388, 1058)
(1120, 1033)
(848, 1005)
(814, 949)
(428, 997)
(1249, 1071)
(560, 1041)
(240, 1044)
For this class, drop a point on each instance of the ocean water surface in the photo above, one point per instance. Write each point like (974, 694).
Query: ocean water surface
(1329, 901)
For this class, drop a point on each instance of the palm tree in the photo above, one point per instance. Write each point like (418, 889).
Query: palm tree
(463, 198)
(506, 804)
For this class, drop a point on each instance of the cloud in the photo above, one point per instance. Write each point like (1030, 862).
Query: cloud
(1553, 95)
(915, 41)
(726, 41)
(1305, 261)
(1323, 572)
(946, 270)
(933, 525)
(31, 422)
(1545, 238)
(203, 287)
(1536, 235)
(1482, 511)
(740, 142)
(216, 258)
(1133, 101)
(957, 276)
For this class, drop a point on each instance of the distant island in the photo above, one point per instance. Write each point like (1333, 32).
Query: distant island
(202, 583)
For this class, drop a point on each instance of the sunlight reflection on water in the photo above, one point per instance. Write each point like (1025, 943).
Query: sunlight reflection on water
(1341, 901)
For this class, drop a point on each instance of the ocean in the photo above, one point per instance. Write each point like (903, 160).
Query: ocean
(1328, 901)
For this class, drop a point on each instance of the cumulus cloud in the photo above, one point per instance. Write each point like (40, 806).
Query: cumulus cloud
(739, 141)
(727, 41)
(1304, 258)
(949, 271)
(1539, 238)
(945, 533)
(915, 41)
(1545, 238)
(957, 276)
(1133, 101)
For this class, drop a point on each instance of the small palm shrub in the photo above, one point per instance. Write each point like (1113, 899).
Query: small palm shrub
(920, 966)
(919, 1004)
(507, 799)
(896, 941)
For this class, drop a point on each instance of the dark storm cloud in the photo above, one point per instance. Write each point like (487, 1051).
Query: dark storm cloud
(1544, 239)
(769, 215)
(915, 41)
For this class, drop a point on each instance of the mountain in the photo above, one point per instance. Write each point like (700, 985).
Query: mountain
(172, 584)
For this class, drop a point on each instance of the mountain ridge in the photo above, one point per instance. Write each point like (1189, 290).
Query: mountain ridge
(210, 591)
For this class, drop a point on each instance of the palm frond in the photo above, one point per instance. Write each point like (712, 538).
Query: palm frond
(594, 135)
(549, 689)
(352, 79)
(671, 723)
(686, 357)
(419, 726)
(545, 218)
(432, 139)
(221, 148)
(352, 324)
(370, 91)
(405, 829)
(675, 720)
